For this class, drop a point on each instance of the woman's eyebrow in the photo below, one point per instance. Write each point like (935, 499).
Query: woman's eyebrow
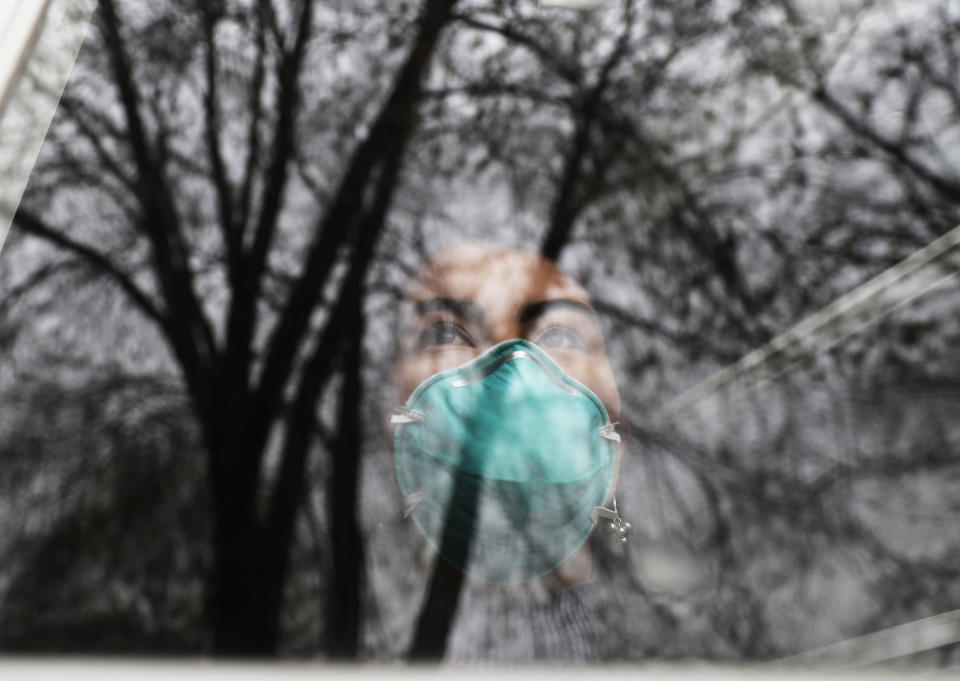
(458, 306)
(532, 311)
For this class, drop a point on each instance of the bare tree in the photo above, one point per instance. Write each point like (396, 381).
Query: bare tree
(239, 373)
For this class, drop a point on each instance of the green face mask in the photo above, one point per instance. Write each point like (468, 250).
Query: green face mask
(504, 462)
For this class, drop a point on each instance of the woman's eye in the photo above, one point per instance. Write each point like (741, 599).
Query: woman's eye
(560, 337)
(444, 333)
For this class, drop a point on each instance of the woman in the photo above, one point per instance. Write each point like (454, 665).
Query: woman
(507, 452)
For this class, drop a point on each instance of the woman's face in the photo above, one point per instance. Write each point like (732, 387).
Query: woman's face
(471, 297)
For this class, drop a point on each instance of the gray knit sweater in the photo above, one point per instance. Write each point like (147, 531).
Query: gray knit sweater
(500, 626)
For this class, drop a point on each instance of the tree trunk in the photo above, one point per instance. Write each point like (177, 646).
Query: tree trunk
(343, 602)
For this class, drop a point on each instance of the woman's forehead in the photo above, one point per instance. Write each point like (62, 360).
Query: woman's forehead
(495, 277)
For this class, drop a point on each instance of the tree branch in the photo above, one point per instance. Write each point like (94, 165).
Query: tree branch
(256, 111)
(95, 138)
(192, 334)
(571, 197)
(385, 143)
(34, 226)
(221, 182)
(565, 69)
(248, 278)
(949, 189)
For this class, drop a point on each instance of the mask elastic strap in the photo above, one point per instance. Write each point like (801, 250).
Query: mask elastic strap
(617, 523)
(410, 502)
(403, 415)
